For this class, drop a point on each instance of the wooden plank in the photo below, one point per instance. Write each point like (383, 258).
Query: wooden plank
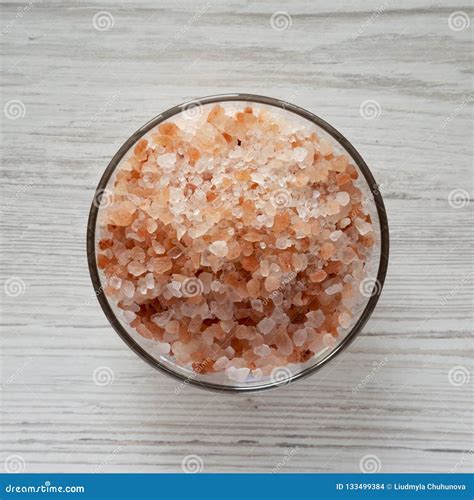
(85, 91)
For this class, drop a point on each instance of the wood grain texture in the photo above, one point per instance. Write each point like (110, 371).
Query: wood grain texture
(85, 91)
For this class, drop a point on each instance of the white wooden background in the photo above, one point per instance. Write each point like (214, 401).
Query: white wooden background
(73, 90)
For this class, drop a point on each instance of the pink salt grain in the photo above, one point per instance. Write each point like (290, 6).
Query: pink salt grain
(271, 283)
(234, 245)
(219, 248)
(266, 325)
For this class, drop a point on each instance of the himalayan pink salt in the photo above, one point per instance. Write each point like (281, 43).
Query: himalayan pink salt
(161, 264)
(327, 250)
(362, 226)
(343, 198)
(329, 340)
(317, 276)
(315, 318)
(219, 248)
(283, 343)
(136, 268)
(237, 374)
(345, 319)
(262, 350)
(253, 287)
(129, 316)
(151, 225)
(162, 348)
(221, 363)
(234, 242)
(336, 288)
(271, 283)
(128, 288)
(299, 337)
(266, 325)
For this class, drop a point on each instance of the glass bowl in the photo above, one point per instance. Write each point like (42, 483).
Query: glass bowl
(370, 287)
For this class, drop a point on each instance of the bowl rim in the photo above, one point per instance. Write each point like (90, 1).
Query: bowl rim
(251, 98)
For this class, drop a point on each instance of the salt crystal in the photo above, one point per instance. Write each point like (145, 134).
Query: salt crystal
(362, 226)
(161, 319)
(129, 316)
(299, 154)
(299, 337)
(218, 248)
(136, 268)
(272, 283)
(344, 319)
(343, 198)
(315, 318)
(335, 235)
(128, 288)
(151, 225)
(329, 340)
(345, 222)
(221, 363)
(166, 161)
(237, 374)
(331, 290)
(158, 247)
(115, 282)
(283, 243)
(262, 350)
(150, 282)
(162, 348)
(265, 267)
(266, 325)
